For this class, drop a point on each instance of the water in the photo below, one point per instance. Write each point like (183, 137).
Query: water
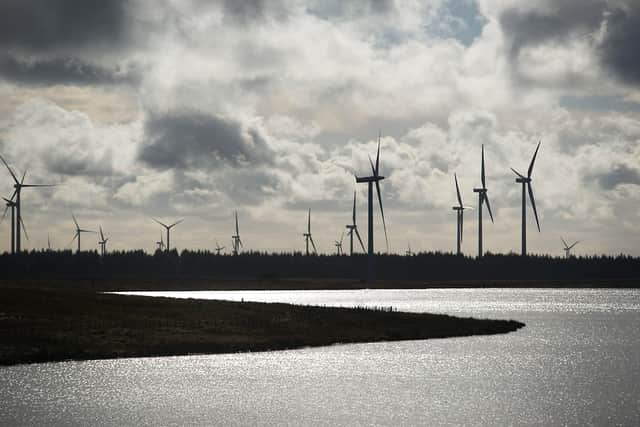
(576, 362)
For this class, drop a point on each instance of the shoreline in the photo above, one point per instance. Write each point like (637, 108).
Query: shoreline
(39, 326)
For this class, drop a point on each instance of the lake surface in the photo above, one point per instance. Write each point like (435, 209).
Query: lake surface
(577, 362)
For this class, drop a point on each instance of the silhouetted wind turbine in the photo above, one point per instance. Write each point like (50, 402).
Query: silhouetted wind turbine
(526, 185)
(375, 177)
(11, 205)
(19, 185)
(103, 242)
(408, 252)
(338, 244)
(482, 197)
(218, 248)
(237, 243)
(353, 228)
(567, 248)
(160, 243)
(307, 236)
(460, 216)
(168, 228)
(79, 231)
(48, 242)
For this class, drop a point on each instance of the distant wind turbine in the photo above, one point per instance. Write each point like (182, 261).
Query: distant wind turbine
(526, 185)
(19, 185)
(103, 242)
(160, 243)
(353, 228)
(460, 216)
(236, 242)
(408, 252)
(482, 197)
(374, 178)
(218, 248)
(567, 248)
(307, 236)
(168, 228)
(338, 244)
(79, 231)
(48, 242)
(11, 205)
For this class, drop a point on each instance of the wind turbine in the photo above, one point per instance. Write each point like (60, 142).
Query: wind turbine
(376, 177)
(307, 236)
(408, 252)
(237, 243)
(353, 228)
(460, 216)
(19, 185)
(482, 197)
(48, 242)
(168, 228)
(338, 244)
(218, 248)
(526, 185)
(11, 205)
(160, 243)
(103, 242)
(567, 248)
(79, 231)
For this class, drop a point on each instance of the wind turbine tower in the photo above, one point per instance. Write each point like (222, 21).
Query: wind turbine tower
(526, 185)
(353, 228)
(307, 236)
(370, 180)
(168, 228)
(567, 248)
(19, 185)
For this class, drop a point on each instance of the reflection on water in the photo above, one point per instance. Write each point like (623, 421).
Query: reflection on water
(576, 362)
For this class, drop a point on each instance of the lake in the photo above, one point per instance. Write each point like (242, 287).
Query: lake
(577, 362)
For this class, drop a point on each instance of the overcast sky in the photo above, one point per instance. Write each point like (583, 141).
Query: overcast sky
(194, 109)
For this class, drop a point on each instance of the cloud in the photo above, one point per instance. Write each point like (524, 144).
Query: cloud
(185, 139)
(59, 70)
(41, 25)
(620, 45)
(619, 174)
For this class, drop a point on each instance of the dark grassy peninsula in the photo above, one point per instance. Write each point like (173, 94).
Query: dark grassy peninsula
(53, 325)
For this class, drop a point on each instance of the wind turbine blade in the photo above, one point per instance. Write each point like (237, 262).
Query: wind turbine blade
(240, 243)
(458, 190)
(533, 204)
(564, 243)
(373, 168)
(378, 155)
(75, 236)
(482, 178)
(341, 237)
(384, 225)
(22, 180)
(359, 239)
(309, 223)
(101, 234)
(39, 185)
(533, 160)
(517, 173)
(176, 223)
(15, 178)
(75, 221)
(4, 213)
(354, 208)
(237, 232)
(162, 224)
(577, 241)
(486, 199)
(461, 224)
(315, 251)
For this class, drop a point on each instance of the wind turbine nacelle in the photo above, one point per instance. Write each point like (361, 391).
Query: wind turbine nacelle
(480, 190)
(369, 178)
(523, 180)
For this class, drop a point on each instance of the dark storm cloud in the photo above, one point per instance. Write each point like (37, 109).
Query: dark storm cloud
(192, 139)
(39, 25)
(251, 11)
(619, 174)
(62, 71)
(560, 20)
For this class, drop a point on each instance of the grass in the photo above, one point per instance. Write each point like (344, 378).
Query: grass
(43, 325)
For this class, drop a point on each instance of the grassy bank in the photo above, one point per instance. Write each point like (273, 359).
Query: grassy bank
(38, 325)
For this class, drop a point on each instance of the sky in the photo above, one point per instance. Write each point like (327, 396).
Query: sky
(195, 109)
